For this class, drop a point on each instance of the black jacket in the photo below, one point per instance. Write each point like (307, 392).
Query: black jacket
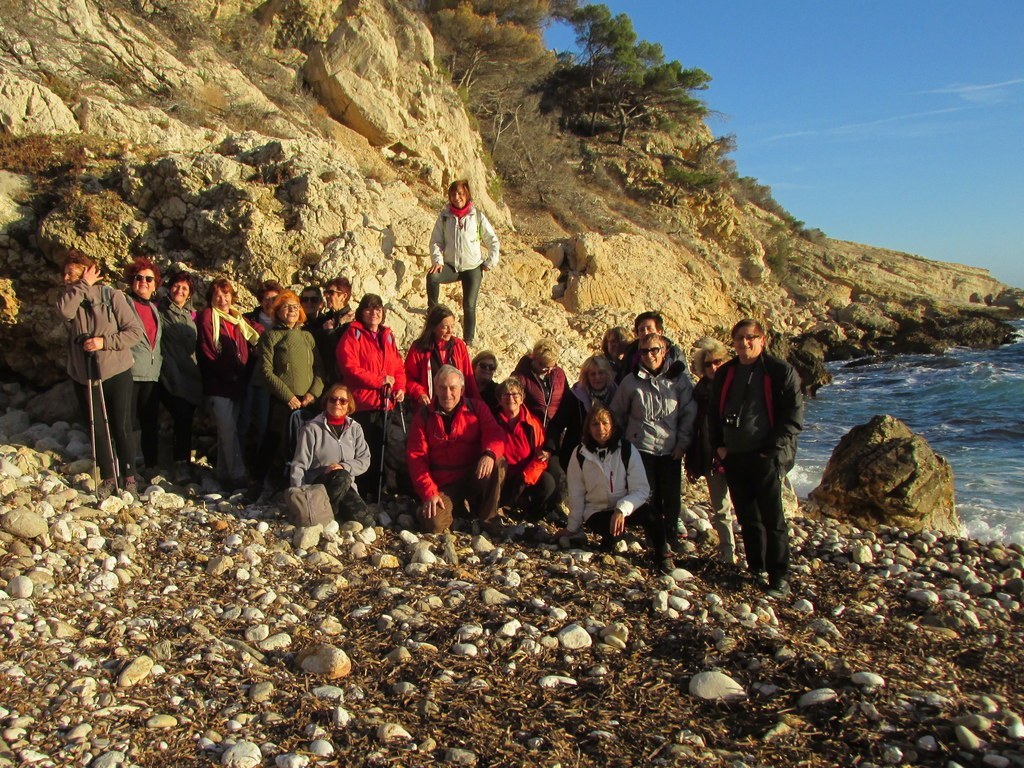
(784, 401)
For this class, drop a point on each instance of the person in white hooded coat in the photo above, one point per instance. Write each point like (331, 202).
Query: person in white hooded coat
(608, 488)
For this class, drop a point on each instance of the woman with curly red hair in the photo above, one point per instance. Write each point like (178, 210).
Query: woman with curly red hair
(143, 278)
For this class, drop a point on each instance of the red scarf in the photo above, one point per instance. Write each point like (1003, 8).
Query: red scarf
(460, 214)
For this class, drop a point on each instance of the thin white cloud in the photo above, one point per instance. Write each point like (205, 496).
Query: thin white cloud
(988, 93)
(851, 129)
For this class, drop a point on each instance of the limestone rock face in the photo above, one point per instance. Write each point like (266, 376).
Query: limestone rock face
(27, 108)
(881, 473)
(376, 75)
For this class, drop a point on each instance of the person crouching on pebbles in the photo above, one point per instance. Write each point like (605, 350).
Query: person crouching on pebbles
(455, 455)
(755, 414)
(608, 488)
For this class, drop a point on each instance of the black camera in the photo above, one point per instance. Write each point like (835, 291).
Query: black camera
(731, 419)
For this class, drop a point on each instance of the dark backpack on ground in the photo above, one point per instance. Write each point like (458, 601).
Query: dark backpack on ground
(308, 505)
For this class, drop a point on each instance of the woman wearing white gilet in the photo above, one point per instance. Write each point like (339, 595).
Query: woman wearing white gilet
(456, 255)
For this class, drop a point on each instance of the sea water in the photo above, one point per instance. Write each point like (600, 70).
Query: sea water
(969, 406)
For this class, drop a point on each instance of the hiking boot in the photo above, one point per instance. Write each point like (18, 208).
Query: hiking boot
(761, 580)
(666, 565)
(778, 587)
(131, 486)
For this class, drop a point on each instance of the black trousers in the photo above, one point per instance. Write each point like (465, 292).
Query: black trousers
(372, 423)
(665, 476)
(755, 486)
(345, 499)
(470, 280)
(117, 393)
(146, 419)
(601, 524)
(182, 413)
(536, 500)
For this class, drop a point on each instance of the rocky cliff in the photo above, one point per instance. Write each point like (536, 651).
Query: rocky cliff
(297, 140)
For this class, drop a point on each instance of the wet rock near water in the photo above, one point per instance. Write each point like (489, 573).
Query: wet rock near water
(186, 628)
(881, 473)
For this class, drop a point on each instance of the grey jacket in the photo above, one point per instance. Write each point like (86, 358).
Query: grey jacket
(180, 374)
(147, 359)
(320, 445)
(98, 310)
(656, 411)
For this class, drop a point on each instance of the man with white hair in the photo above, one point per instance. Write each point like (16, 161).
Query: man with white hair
(455, 456)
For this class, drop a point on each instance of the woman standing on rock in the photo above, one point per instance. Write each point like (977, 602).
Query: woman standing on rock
(143, 278)
(608, 488)
(372, 369)
(181, 383)
(708, 356)
(331, 451)
(291, 370)
(437, 345)
(455, 253)
(102, 329)
(224, 344)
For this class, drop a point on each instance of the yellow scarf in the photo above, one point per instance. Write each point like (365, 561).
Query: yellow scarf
(234, 317)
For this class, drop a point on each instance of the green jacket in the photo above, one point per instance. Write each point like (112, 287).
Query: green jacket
(290, 363)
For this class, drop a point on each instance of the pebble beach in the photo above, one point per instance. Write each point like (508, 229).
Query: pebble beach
(186, 627)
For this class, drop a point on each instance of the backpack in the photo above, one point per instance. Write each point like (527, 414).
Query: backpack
(308, 505)
(627, 450)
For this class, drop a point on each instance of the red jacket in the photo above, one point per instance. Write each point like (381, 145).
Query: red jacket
(522, 439)
(422, 365)
(542, 405)
(437, 457)
(363, 363)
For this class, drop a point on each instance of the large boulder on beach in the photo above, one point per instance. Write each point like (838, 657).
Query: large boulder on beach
(882, 474)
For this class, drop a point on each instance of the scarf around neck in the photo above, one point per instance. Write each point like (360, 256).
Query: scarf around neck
(233, 317)
(461, 214)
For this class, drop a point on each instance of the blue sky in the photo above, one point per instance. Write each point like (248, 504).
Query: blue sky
(898, 124)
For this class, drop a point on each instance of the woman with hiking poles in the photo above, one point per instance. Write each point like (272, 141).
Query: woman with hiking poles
(102, 329)
(371, 367)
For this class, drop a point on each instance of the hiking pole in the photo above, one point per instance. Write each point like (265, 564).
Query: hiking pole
(92, 429)
(106, 425)
(384, 395)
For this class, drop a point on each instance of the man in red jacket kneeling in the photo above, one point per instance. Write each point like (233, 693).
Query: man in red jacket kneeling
(455, 454)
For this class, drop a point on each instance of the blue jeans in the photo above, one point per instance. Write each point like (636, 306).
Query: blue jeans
(470, 280)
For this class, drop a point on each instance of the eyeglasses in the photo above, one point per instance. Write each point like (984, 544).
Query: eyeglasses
(339, 400)
(333, 292)
(291, 307)
(512, 395)
(751, 337)
(652, 350)
(143, 279)
(487, 366)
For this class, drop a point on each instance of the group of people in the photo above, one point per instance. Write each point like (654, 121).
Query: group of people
(301, 390)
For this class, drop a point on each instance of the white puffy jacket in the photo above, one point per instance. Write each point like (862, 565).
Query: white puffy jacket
(602, 482)
(459, 246)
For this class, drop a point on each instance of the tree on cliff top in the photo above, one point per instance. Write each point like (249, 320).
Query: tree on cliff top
(617, 82)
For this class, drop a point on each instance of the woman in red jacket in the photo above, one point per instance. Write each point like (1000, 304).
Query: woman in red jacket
(371, 367)
(528, 483)
(437, 345)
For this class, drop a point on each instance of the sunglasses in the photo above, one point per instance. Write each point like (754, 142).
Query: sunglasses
(333, 292)
(652, 350)
(716, 361)
(339, 400)
(487, 367)
(309, 299)
(143, 279)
